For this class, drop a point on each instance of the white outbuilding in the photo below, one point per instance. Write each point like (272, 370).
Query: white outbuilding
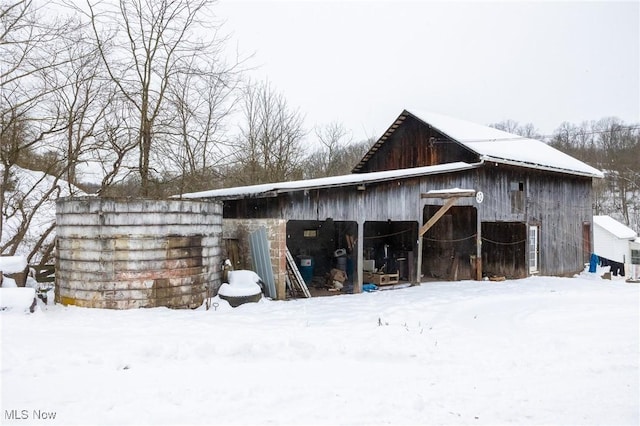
(615, 241)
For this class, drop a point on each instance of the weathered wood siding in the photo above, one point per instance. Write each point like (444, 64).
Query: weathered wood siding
(561, 205)
(396, 200)
(558, 203)
(414, 144)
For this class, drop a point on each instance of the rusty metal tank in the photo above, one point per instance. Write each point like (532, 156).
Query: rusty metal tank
(123, 254)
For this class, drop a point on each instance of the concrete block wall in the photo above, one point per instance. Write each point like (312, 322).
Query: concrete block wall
(239, 229)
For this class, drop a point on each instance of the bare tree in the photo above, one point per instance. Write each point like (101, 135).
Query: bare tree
(620, 148)
(198, 107)
(326, 161)
(269, 148)
(113, 145)
(82, 100)
(337, 154)
(352, 154)
(526, 130)
(146, 47)
(612, 146)
(32, 47)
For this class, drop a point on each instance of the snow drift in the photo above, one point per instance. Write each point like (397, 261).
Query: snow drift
(534, 351)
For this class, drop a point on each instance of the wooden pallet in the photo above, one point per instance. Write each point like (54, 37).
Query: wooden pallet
(294, 279)
(380, 279)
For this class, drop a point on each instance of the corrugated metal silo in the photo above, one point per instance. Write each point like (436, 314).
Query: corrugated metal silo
(121, 254)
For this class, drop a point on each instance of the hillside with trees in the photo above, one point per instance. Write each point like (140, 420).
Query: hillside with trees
(608, 144)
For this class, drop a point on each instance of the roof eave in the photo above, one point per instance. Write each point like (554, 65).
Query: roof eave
(488, 158)
(358, 179)
(381, 140)
(466, 166)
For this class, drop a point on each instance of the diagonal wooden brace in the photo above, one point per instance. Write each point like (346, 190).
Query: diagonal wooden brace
(446, 206)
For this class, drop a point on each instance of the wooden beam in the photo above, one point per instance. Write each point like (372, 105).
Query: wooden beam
(358, 279)
(456, 194)
(478, 265)
(419, 263)
(447, 205)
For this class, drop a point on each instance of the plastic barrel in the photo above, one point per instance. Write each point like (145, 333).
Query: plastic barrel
(306, 268)
(342, 263)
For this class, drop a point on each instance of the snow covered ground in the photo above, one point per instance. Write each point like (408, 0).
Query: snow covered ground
(535, 351)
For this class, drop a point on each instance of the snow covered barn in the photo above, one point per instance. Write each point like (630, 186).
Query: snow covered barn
(435, 198)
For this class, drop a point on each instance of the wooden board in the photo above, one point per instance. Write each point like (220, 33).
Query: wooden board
(380, 279)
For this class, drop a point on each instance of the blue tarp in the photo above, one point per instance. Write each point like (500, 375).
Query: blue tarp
(369, 287)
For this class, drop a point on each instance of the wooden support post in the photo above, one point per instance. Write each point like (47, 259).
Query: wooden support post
(419, 262)
(357, 285)
(478, 265)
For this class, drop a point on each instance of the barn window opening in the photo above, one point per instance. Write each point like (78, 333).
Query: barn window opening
(517, 186)
(517, 197)
(635, 257)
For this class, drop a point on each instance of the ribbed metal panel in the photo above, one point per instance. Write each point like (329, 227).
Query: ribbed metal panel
(259, 245)
(122, 254)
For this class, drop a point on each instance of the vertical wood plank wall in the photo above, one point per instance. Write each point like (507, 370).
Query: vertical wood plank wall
(558, 203)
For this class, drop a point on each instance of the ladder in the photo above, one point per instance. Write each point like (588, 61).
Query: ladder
(293, 274)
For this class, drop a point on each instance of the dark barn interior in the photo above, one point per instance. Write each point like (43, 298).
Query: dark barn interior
(331, 244)
(390, 244)
(503, 249)
(319, 241)
(450, 245)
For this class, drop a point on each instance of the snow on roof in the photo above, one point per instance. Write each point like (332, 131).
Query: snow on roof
(614, 227)
(499, 146)
(333, 181)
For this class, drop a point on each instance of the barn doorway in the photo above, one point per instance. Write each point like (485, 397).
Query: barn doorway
(389, 247)
(449, 246)
(586, 242)
(504, 246)
(323, 245)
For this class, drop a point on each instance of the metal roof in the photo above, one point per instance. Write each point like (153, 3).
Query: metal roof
(354, 179)
(615, 228)
(492, 145)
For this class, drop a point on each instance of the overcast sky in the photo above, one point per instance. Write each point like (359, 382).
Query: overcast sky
(362, 62)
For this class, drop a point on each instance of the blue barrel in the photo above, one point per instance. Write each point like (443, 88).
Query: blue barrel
(305, 264)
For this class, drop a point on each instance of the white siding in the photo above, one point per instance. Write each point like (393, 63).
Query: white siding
(609, 246)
